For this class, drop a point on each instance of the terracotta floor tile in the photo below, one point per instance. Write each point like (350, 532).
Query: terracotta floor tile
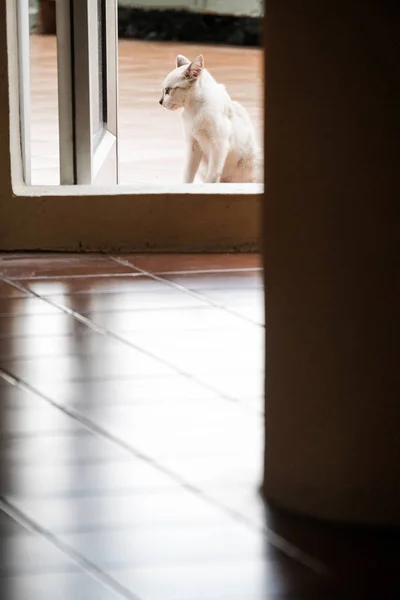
(26, 266)
(90, 285)
(170, 263)
(227, 280)
(8, 291)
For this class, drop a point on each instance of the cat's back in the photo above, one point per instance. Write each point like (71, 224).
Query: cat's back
(239, 111)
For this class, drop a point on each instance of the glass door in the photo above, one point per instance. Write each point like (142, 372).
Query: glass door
(87, 46)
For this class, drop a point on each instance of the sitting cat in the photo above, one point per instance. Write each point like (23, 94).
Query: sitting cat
(219, 131)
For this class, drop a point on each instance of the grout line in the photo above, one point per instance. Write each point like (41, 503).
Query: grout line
(63, 277)
(182, 288)
(204, 271)
(105, 311)
(127, 274)
(100, 330)
(277, 541)
(280, 543)
(86, 565)
(14, 315)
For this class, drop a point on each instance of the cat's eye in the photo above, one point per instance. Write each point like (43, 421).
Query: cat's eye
(167, 91)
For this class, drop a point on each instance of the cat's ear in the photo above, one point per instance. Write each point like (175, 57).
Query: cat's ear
(196, 67)
(182, 60)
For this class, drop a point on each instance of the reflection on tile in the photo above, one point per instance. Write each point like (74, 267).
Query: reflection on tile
(59, 449)
(231, 280)
(248, 311)
(90, 285)
(8, 526)
(182, 544)
(250, 383)
(234, 295)
(162, 443)
(159, 508)
(256, 403)
(86, 343)
(223, 341)
(56, 586)
(196, 318)
(31, 553)
(236, 578)
(235, 358)
(239, 496)
(122, 391)
(40, 325)
(76, 368)
(84, 479)
(204, 469)
(167, 298)
(29, 305)
(39, 420)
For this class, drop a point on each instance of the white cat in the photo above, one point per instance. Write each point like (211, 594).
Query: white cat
(219, 131)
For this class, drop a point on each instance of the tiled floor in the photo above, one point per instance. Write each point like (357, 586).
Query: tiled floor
(132, 418)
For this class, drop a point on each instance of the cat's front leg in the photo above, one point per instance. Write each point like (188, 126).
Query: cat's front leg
(216, 161)
(193, 161)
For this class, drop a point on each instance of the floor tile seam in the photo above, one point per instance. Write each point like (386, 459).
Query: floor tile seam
(106, 311)
(277, 541)
(205, 271)
(45, 278)
(48, 435)
(189, 292)
(111, 335)
(86, 566)
(89, 275)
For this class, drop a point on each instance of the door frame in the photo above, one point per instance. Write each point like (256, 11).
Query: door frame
(182, 218)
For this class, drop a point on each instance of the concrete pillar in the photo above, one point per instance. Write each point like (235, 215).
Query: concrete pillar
(331, 252)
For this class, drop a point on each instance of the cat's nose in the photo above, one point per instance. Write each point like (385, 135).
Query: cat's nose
(160, 101)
